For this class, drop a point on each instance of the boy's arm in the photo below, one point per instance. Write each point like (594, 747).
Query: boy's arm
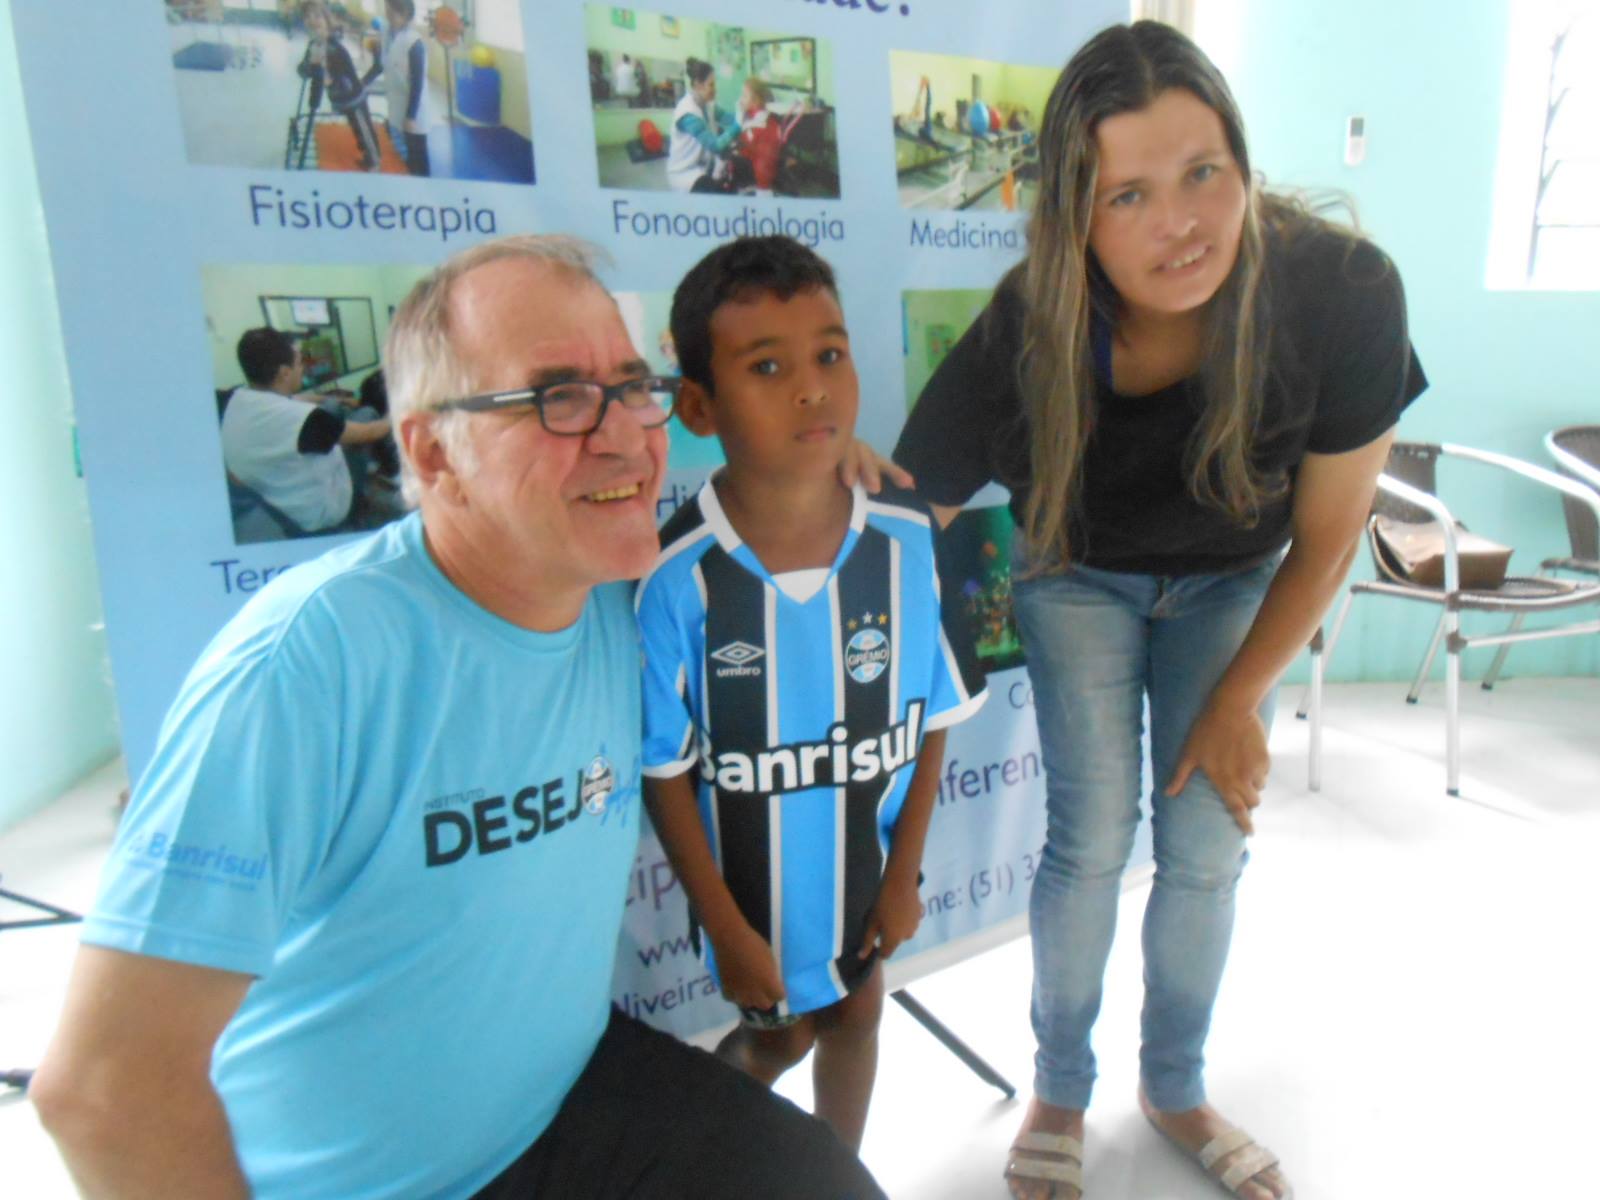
(898, 910)
(745, 961)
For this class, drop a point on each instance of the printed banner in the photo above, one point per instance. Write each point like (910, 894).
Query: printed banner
(209, 167)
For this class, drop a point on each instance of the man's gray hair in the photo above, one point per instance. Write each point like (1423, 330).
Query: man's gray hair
(421, 365)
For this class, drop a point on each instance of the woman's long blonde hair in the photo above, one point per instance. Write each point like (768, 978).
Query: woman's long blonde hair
(1123, 69)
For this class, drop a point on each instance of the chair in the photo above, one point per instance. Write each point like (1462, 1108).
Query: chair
(1407, 491)
(1576, 450)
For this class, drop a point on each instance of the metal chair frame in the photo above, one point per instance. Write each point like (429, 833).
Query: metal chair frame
(1582, 530)
(1452, 598)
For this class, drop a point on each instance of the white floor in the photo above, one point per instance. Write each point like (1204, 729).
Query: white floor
(1410, 1010)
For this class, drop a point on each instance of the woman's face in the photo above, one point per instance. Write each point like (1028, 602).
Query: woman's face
(317, 23)
(1168, 205)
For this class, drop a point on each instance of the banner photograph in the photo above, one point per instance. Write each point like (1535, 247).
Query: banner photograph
(965, 139)
(696, 106)
(300, 396)
(364, 85)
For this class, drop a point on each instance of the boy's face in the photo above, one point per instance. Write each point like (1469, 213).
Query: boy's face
(786, 389)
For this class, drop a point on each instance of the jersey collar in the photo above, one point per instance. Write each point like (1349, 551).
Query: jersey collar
(730, 541)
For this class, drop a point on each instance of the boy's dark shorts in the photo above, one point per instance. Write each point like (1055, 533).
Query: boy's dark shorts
(651, 1118)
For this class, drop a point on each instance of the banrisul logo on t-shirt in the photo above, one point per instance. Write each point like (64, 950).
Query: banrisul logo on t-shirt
(212, 863)
(473, 823)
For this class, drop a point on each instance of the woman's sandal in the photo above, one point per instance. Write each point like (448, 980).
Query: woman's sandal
(1248, 1159)
(1064, 1166)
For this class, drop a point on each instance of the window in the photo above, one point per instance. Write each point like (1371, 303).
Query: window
(1547, 196)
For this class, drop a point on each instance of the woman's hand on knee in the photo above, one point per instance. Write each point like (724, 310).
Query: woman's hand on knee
(1230, 746)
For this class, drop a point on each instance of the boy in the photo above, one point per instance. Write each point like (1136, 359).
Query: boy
(329, 67)
(797, 658)
(405, 70)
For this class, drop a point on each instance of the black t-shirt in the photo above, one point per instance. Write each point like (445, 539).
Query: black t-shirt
(1343, 369)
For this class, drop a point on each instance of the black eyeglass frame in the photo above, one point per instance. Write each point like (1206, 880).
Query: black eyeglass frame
(522, 397)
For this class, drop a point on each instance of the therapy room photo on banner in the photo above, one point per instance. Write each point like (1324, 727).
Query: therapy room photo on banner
(392, 86)
(302, 412)
(964, 131)
(689, 105)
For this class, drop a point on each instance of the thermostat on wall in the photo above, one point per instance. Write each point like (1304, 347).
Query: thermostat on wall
(1355, 141)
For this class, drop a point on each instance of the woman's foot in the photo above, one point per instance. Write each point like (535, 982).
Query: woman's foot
(1195, 1128)
(1053, 1122)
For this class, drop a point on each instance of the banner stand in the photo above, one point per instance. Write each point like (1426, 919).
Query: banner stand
(952, 1043)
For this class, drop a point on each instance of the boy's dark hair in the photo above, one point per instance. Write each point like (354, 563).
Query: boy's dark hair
(739, 270)
(261, 352)
(698, 70)
(406, 8)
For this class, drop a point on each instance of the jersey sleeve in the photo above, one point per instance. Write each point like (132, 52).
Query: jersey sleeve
(959, 684)
(231, 817)
(320, 433)
(1369, 369)
(948, 440)
(669, 725)
(417, 58)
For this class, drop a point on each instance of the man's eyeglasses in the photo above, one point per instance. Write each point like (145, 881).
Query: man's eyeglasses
(576, 408)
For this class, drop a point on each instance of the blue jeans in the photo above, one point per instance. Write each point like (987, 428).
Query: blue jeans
(1099, 642)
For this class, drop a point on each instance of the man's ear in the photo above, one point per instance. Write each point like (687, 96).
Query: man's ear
(429, 459)
(694, 409)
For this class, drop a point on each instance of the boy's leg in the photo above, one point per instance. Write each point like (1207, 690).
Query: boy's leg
(417, 154)
(765, 1054)
(366, 136)
(651, 1118)
(846, 1063)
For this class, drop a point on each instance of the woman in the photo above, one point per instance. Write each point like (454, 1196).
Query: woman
(1182, 376)
(703, 135)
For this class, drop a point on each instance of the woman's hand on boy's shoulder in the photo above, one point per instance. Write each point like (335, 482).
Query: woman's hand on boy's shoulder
(748, 968)
(894, 918)
(864, 464)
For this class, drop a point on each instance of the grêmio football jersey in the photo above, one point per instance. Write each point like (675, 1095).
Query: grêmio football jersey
(802, 719)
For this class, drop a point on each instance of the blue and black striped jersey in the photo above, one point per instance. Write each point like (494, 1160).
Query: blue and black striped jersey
(802, 719)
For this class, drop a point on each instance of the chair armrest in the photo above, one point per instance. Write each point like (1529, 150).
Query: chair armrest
(1427, 501)
(1569, 461)
(1516, 466)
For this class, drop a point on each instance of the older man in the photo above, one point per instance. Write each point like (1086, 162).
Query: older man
(355, 937)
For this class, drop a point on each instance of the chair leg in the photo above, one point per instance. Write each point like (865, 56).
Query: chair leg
(1493, 676)
(1427, 661)
(1314, 757)
(1500, 654)
(1452, 707)
(1327, 648)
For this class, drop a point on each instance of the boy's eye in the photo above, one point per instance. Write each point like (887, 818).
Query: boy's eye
(831, 355)
(764, 366)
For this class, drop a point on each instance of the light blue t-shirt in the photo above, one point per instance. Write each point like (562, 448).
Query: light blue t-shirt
(414, 823)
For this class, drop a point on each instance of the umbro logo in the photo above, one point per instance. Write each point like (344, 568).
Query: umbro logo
(736, 654)
(739, 658)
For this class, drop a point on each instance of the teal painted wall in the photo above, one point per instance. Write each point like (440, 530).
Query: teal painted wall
(1505, 367)
(56, 718)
